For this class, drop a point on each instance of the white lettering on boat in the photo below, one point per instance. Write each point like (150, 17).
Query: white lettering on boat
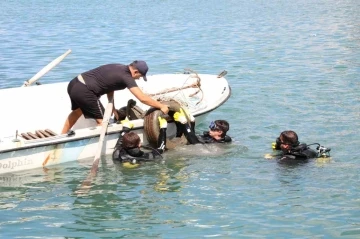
(15, 163)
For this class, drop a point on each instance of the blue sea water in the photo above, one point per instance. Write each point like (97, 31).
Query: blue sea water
(291, 65)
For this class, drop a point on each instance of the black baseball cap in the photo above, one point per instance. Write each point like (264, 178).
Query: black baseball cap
(142, 67)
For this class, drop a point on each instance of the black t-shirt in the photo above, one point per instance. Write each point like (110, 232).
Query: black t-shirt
(108, 78)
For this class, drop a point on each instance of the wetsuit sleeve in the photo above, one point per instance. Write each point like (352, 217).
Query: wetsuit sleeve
(156, 153)
(179, 129)
(310, 153)
(189, 134)
(162, 140)
(150, 156)
(192, 126)
(227, 139)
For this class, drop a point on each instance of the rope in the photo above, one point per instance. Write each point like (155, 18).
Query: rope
(181, 97)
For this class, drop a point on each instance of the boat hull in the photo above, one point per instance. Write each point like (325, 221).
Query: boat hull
(41, 153)
(47, 106)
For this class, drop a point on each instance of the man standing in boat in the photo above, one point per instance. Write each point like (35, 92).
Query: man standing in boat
(86, 89)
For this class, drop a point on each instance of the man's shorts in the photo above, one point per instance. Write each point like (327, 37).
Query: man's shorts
(85, 99)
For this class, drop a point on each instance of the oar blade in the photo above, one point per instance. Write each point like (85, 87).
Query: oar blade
(46, 69)
(95, 166)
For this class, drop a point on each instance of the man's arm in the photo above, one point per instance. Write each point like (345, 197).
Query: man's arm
(145, 99)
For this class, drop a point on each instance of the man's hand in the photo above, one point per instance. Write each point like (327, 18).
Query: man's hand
(164, 109)
(180, 117)
(126, 123)
(162, 123)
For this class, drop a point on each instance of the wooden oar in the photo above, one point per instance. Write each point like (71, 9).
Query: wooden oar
(46, 69)
(104, 127)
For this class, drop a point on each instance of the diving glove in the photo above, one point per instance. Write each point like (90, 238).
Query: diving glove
(187, 112)
(126, 123)
(180, 117)
(162, 122)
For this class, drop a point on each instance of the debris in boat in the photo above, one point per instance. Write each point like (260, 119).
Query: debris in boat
(38, 134)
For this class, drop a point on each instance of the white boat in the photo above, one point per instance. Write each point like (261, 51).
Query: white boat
(31, 111)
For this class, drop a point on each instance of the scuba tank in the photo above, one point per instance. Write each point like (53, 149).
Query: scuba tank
(323, 152)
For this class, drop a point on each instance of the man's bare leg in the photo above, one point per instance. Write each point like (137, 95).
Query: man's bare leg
(99, 121)
(71, 120)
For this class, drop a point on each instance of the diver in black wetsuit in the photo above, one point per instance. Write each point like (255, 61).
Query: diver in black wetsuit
(127, 148)
(186, 125)
(293, 150)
